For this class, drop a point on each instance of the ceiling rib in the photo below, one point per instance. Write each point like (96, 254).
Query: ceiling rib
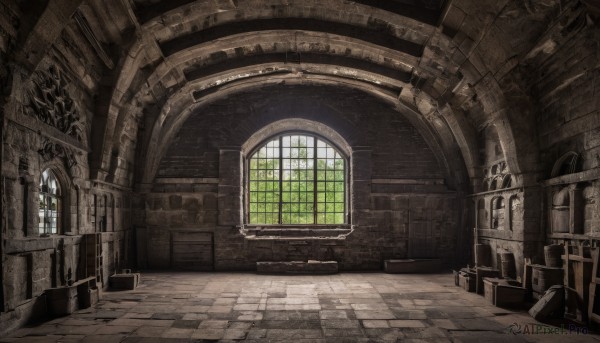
(340, 61)
(374, 36)
(427, 12)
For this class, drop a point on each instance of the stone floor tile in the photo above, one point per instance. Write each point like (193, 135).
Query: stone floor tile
(213, 324)
(347, 332)
(246, 307)
(250, 316)
(167, 316)
(102, 339)
(446, 324)
(248, 300)
(375, 324)
(219, 309)
(303, 307)
(208, 334)
(340, 323)
(115, 329)
(224, 302)
(379, 314)
(78, 330)
(383, 334)
(256, 334)
(234, 334)
(427, 332)
(333, 314)
(407, 323)
(149, 331)
(284, 334)
(195, 316)
(409, 314)
(186, 324)
(177, 333)
(370, 307)
(175, 308)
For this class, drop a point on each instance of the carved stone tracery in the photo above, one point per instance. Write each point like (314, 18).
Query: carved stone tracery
(51, 150)
(50, 102)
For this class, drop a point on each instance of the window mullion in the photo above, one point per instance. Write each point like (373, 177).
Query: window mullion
(315, 180)
(280, 177)
(47, 213)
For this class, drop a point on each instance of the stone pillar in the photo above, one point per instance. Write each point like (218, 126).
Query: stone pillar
(31, 216)
(360, 185)
(230, 187)
(576, 206)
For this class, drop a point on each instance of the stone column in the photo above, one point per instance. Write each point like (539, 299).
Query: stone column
(230, 187)
(360, 185)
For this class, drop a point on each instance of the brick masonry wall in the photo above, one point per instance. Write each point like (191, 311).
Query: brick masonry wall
(32, 263)
(568, 88)
(419, 219)
(567, 85)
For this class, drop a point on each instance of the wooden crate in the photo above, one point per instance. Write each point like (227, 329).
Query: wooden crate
(467, 282)
(124, 281)
(61, 301)
(484, 272)
(502, 294)
(544, 277)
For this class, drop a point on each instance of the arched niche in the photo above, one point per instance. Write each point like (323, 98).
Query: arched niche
(482, 215)
(498, 215)
(566, 164)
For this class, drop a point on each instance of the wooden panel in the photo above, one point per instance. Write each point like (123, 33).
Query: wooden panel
(192, 250)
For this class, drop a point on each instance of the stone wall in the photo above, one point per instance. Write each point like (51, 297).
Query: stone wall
(405, 208)
(47, 116)
(565, 84)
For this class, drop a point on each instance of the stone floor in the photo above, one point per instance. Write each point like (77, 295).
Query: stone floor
(349, 307)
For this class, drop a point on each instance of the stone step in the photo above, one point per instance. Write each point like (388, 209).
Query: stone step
(297, 267)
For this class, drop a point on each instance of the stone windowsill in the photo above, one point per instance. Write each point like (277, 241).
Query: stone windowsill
(292, 232)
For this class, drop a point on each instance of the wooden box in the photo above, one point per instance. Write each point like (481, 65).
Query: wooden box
(62, 300)
(502, 294)
(124, 281)
(467, 282)
(456, 277)
(484, 272)
(544, 277)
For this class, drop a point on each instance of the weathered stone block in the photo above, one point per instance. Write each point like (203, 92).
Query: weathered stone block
(297, 267)
(124, 281)
(62, 300)
(175, 202)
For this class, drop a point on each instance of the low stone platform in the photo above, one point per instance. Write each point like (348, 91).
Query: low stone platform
(297, 267)
(65, 300)
(412, 266)
(128, 281)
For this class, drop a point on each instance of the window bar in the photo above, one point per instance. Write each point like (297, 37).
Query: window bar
(280, 159)
(347, 220)
(315, 180)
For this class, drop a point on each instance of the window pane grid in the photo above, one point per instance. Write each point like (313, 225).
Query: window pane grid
(49, 204)
(296, 179)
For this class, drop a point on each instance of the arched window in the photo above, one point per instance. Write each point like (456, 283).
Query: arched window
(296, 179)
(498, 213)
(50, 206)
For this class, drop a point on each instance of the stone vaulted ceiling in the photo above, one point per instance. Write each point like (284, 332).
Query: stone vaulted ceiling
(452, 67)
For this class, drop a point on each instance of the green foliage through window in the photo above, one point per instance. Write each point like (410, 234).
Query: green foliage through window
(296, 179)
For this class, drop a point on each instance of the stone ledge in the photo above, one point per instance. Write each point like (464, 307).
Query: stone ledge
(297, 267)
(412, 266)
(295, 233)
